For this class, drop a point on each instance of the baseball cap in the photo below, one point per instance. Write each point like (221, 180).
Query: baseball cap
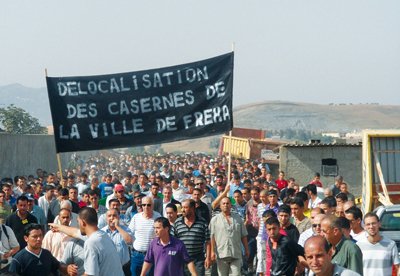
(118, 188)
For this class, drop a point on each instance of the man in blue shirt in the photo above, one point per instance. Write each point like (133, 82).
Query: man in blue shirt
(106, 188)
(121, 237)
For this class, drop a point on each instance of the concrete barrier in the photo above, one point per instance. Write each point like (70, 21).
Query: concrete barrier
(23, 154)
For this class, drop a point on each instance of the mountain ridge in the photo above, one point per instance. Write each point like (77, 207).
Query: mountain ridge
(269, 115)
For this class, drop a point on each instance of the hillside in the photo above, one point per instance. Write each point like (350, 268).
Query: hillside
(316, 117)
(273, 115)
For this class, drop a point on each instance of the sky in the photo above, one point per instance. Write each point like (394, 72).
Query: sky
(318, 51)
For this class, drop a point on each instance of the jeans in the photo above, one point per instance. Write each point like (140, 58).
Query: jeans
(137, 261)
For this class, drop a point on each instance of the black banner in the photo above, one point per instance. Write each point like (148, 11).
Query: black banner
(142, 108)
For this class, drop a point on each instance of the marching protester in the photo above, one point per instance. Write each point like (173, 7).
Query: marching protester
(166, 253)
(211, 235)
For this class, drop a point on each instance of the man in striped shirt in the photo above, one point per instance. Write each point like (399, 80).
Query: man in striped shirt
(379, 252)
(142, 227)
(193, 231)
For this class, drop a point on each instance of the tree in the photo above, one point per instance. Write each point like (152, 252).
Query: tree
(16, 120)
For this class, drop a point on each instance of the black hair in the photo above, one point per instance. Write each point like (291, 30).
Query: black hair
(173, 206)
(21, 198)
(30, 227)
(312, 188)
(342, 196)
(330, 201)
(343, 223)
(298, 201)
(165, 223)
(272, 220)
(355, 211)
(302, 195)
(89, 215)
(284, 209)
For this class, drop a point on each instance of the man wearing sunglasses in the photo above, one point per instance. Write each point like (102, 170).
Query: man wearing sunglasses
(142, 227)
(316, 217)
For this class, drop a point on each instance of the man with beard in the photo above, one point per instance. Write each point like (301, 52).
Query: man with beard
(379, 252)
(19, 219)
(193, 231)
(101, 257)
(55, 242)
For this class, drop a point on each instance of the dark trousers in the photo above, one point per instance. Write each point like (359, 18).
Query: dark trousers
(198, 263)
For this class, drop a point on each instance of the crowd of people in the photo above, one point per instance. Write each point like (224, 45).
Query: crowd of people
(185, 215)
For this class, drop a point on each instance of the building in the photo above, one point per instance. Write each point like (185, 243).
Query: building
(302, 161)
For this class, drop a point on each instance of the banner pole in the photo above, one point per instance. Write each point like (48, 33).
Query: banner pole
(57, 155)
(230, 142)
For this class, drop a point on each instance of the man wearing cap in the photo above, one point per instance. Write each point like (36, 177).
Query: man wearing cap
(36, 211)
(119, 193)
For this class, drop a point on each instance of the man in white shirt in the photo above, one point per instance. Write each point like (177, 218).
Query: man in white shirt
(142, 227)
(45, 200)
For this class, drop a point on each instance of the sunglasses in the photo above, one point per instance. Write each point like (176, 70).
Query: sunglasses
(315, 225)
(148, 205)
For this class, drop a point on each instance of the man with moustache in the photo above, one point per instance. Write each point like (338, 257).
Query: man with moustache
(19, 219)
(193, 231)
(379, 253)
(319, 261)
(121, 237)
(55, 242)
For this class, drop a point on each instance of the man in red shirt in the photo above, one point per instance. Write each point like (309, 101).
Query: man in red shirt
(281, 182)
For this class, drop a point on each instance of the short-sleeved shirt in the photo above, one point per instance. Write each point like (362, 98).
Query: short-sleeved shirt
(18, 225)
(303, 225)
(378, 258)
(74, 254)
(143, 230)
(55, 242)
(119, 242)
(106, 189)
(167, 259)
(194, 237)
(27, 263)
(101, 257)
(228, 236)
